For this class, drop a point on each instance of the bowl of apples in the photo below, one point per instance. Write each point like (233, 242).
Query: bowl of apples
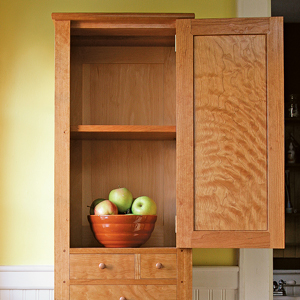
(121, 221)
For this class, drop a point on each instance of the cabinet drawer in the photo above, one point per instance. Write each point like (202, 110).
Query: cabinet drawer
(102, 266)
(129, 292)
(158, 266)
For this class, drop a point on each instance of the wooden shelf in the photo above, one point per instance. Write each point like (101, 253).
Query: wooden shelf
(103, 250)
(123, 132)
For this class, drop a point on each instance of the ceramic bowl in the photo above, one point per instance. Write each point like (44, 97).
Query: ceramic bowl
(122, 231)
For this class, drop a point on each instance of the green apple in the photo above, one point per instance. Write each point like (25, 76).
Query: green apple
(94, 203)
(143, 206)
(122, 198)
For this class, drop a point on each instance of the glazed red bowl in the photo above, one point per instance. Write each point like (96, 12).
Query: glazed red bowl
(122, 231)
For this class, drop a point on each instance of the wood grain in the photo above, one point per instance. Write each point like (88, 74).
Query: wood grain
(185, 274)
(126, 94)
(231, 239)
(184, 135)
(121, 87)
(276, 134)
(132, 29)
(238, 133)
(76, 194)
(149, 270)
(62, 158)
(129, 94)
(145, 250)
(137, 266)
(169, 205)
(119, 55)
(143, 95)
(117, 266)
(137, 165)
(234, 26)
(139, 18)
(123, 282)
(123, 132)
(104, 292)
(230, 132)
(122, 24)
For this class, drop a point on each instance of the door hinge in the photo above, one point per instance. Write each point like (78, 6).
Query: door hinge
(175, 224)
(175, 42)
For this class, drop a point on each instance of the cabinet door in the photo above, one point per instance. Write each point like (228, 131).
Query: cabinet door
(230, 133)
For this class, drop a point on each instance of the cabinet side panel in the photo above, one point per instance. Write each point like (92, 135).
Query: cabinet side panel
(76, 193)
(62, 158)
(230, 132)
(169, 193)
(76, 71)
(169, 86)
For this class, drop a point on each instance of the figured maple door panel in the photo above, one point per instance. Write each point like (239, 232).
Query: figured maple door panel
(230, 129)
(229, 138)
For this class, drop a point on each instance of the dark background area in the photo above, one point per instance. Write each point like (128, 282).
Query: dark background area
(290, 10)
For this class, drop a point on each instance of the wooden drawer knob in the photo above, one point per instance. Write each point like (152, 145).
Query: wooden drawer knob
(102, 266)
(122, 298)
(159, 266)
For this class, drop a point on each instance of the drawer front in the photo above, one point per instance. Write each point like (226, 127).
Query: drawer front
(102, 266)
(128, 292)
(158, 266)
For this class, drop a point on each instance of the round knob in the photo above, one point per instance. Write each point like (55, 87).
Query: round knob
(159, 266)
(122, 298)
(102, 266)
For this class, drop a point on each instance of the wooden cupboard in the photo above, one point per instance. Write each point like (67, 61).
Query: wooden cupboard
(195, 124)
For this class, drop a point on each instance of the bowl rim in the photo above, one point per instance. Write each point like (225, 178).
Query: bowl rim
(122, 215)
(119, 218)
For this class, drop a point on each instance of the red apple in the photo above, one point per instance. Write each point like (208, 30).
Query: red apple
(105, 207)
(94, 203)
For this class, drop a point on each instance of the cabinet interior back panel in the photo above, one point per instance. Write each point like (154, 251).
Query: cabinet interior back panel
(230, 132)
(120, 96)
(146, 168)
(123, 86)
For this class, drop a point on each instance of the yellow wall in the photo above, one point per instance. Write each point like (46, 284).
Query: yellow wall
(27, 119)
(215, 257)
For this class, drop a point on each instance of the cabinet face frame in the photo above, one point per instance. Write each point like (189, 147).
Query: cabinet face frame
(187, 235)
(137, 30)
(62, 159)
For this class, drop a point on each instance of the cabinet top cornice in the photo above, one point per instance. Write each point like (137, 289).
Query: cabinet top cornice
(129, 16)
(97, 25)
